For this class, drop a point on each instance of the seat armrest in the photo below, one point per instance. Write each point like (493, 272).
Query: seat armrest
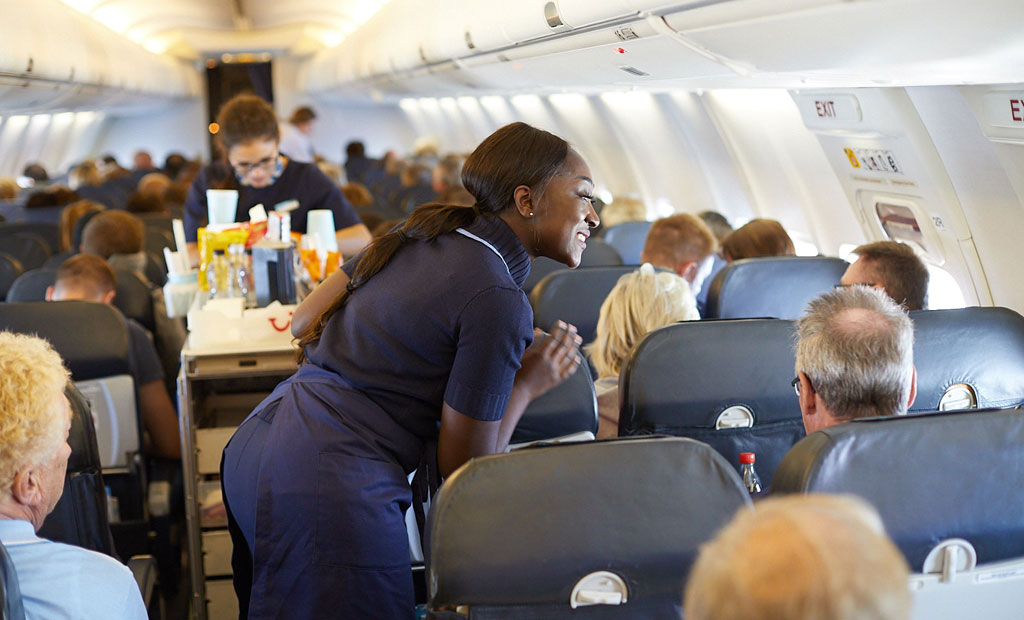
(143, 568)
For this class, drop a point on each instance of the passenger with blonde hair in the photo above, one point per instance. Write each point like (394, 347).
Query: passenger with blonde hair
(56, 580)
(640, 302)
(758, 237)
(622, 210)
(800, 558)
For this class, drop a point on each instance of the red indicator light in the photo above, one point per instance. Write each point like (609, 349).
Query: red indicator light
(619, 50)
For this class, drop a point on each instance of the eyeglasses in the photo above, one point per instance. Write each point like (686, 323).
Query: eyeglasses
(266, 164)
(867, 284)
(796, 385)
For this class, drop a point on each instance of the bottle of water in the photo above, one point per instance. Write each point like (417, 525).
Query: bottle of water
(236, 271)
(217, 275)
(750, 478)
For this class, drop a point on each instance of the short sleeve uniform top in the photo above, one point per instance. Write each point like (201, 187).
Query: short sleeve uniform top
(445, 321)
(298, 181)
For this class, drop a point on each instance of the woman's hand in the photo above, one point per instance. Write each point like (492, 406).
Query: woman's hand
(549, 361)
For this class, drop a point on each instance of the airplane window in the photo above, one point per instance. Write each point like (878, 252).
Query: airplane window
(943, 290)
(803, 244)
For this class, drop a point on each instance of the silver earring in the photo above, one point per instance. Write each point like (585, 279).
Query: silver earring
(531, 213)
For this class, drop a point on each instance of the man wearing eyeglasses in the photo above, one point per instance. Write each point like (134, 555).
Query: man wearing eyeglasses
(854, 358)
(893, 267)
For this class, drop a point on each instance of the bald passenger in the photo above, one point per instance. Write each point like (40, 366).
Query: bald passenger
(800, 558)
(854, 358)
(893, 267)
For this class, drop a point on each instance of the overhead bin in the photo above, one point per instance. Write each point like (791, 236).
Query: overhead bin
(55, 58)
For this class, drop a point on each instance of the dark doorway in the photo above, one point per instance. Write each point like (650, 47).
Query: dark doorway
(225, 80)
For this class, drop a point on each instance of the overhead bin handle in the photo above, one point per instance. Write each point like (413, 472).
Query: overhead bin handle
(658, 23)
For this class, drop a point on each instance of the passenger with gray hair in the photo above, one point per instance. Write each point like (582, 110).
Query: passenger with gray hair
(854, 358)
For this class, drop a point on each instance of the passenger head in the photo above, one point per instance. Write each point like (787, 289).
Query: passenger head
(113, 232)
(142, 160)
(36, 172)
(155, 183)
(854, 358)
(893, 267)
(70, 215)
(800, 558)
(355, 150)
(414, 175)
(720, 227)
(173, 164)
(682, 243)
(757, 237)
(621, 210)
(8, 188)
(357, 195)
(302, 119)
(84, 174)
(447, 174)
(640, 302)
(249, 137)
(149, 203)
(83, 277)
(34, 422)
(528, 177)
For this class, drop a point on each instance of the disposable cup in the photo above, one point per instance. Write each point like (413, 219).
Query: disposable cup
(320, 226)
(221, 205)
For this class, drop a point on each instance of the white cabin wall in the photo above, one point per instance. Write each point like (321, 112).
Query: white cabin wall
(55, 140)
(988, 178)
(788, 175)
(181, 128)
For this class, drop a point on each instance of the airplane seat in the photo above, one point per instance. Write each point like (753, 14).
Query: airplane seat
(11, 606)
(158, 238)
(947, 486)
(574, 296)
(80, 517)
(155, 270)
(10, 270)
(597, 254)
(968, 358)
(133, 298)
(628, 239)
(29, 248)
(56, 260)
(604, 529)
(49, 231)
(568, 409)
(771, 286)
(726, 383)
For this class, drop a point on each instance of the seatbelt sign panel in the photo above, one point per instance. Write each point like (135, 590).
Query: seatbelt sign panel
(827, 110)
(1005, 108)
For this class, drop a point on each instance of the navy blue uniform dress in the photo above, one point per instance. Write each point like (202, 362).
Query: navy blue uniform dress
(315, 479)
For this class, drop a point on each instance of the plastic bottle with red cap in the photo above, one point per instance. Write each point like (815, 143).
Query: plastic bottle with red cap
(750, 477)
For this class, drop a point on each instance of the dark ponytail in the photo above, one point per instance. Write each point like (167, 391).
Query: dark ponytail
(515, 155)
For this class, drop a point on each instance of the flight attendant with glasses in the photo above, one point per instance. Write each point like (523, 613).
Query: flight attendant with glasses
(248, 135)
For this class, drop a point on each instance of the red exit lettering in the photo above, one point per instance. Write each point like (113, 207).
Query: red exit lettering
(825, 109)
(1017, 110)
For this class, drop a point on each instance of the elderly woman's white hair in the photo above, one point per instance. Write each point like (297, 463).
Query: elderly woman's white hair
(641, 301)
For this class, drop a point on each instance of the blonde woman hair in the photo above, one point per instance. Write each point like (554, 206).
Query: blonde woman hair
(32, 378)
(623, 210)
(641, 301)
(800, 558)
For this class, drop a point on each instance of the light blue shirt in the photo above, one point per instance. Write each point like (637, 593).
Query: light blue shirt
(62, 581)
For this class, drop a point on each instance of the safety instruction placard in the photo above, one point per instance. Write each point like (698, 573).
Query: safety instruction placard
(879, 160)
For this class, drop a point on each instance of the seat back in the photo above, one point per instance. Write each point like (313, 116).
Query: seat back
(932, 477)
(568, 409)
(628, 239)
(93, 340)
(726, 383)
(597, 254)
(49, 231)
(774, 286)
(968, 358)
(10, 269)
(134, 296)
(80, 516)
(29, 248)
(511, 535)
(574, 296)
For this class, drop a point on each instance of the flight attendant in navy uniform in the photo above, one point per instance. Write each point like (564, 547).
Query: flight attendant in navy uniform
(425, 337)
